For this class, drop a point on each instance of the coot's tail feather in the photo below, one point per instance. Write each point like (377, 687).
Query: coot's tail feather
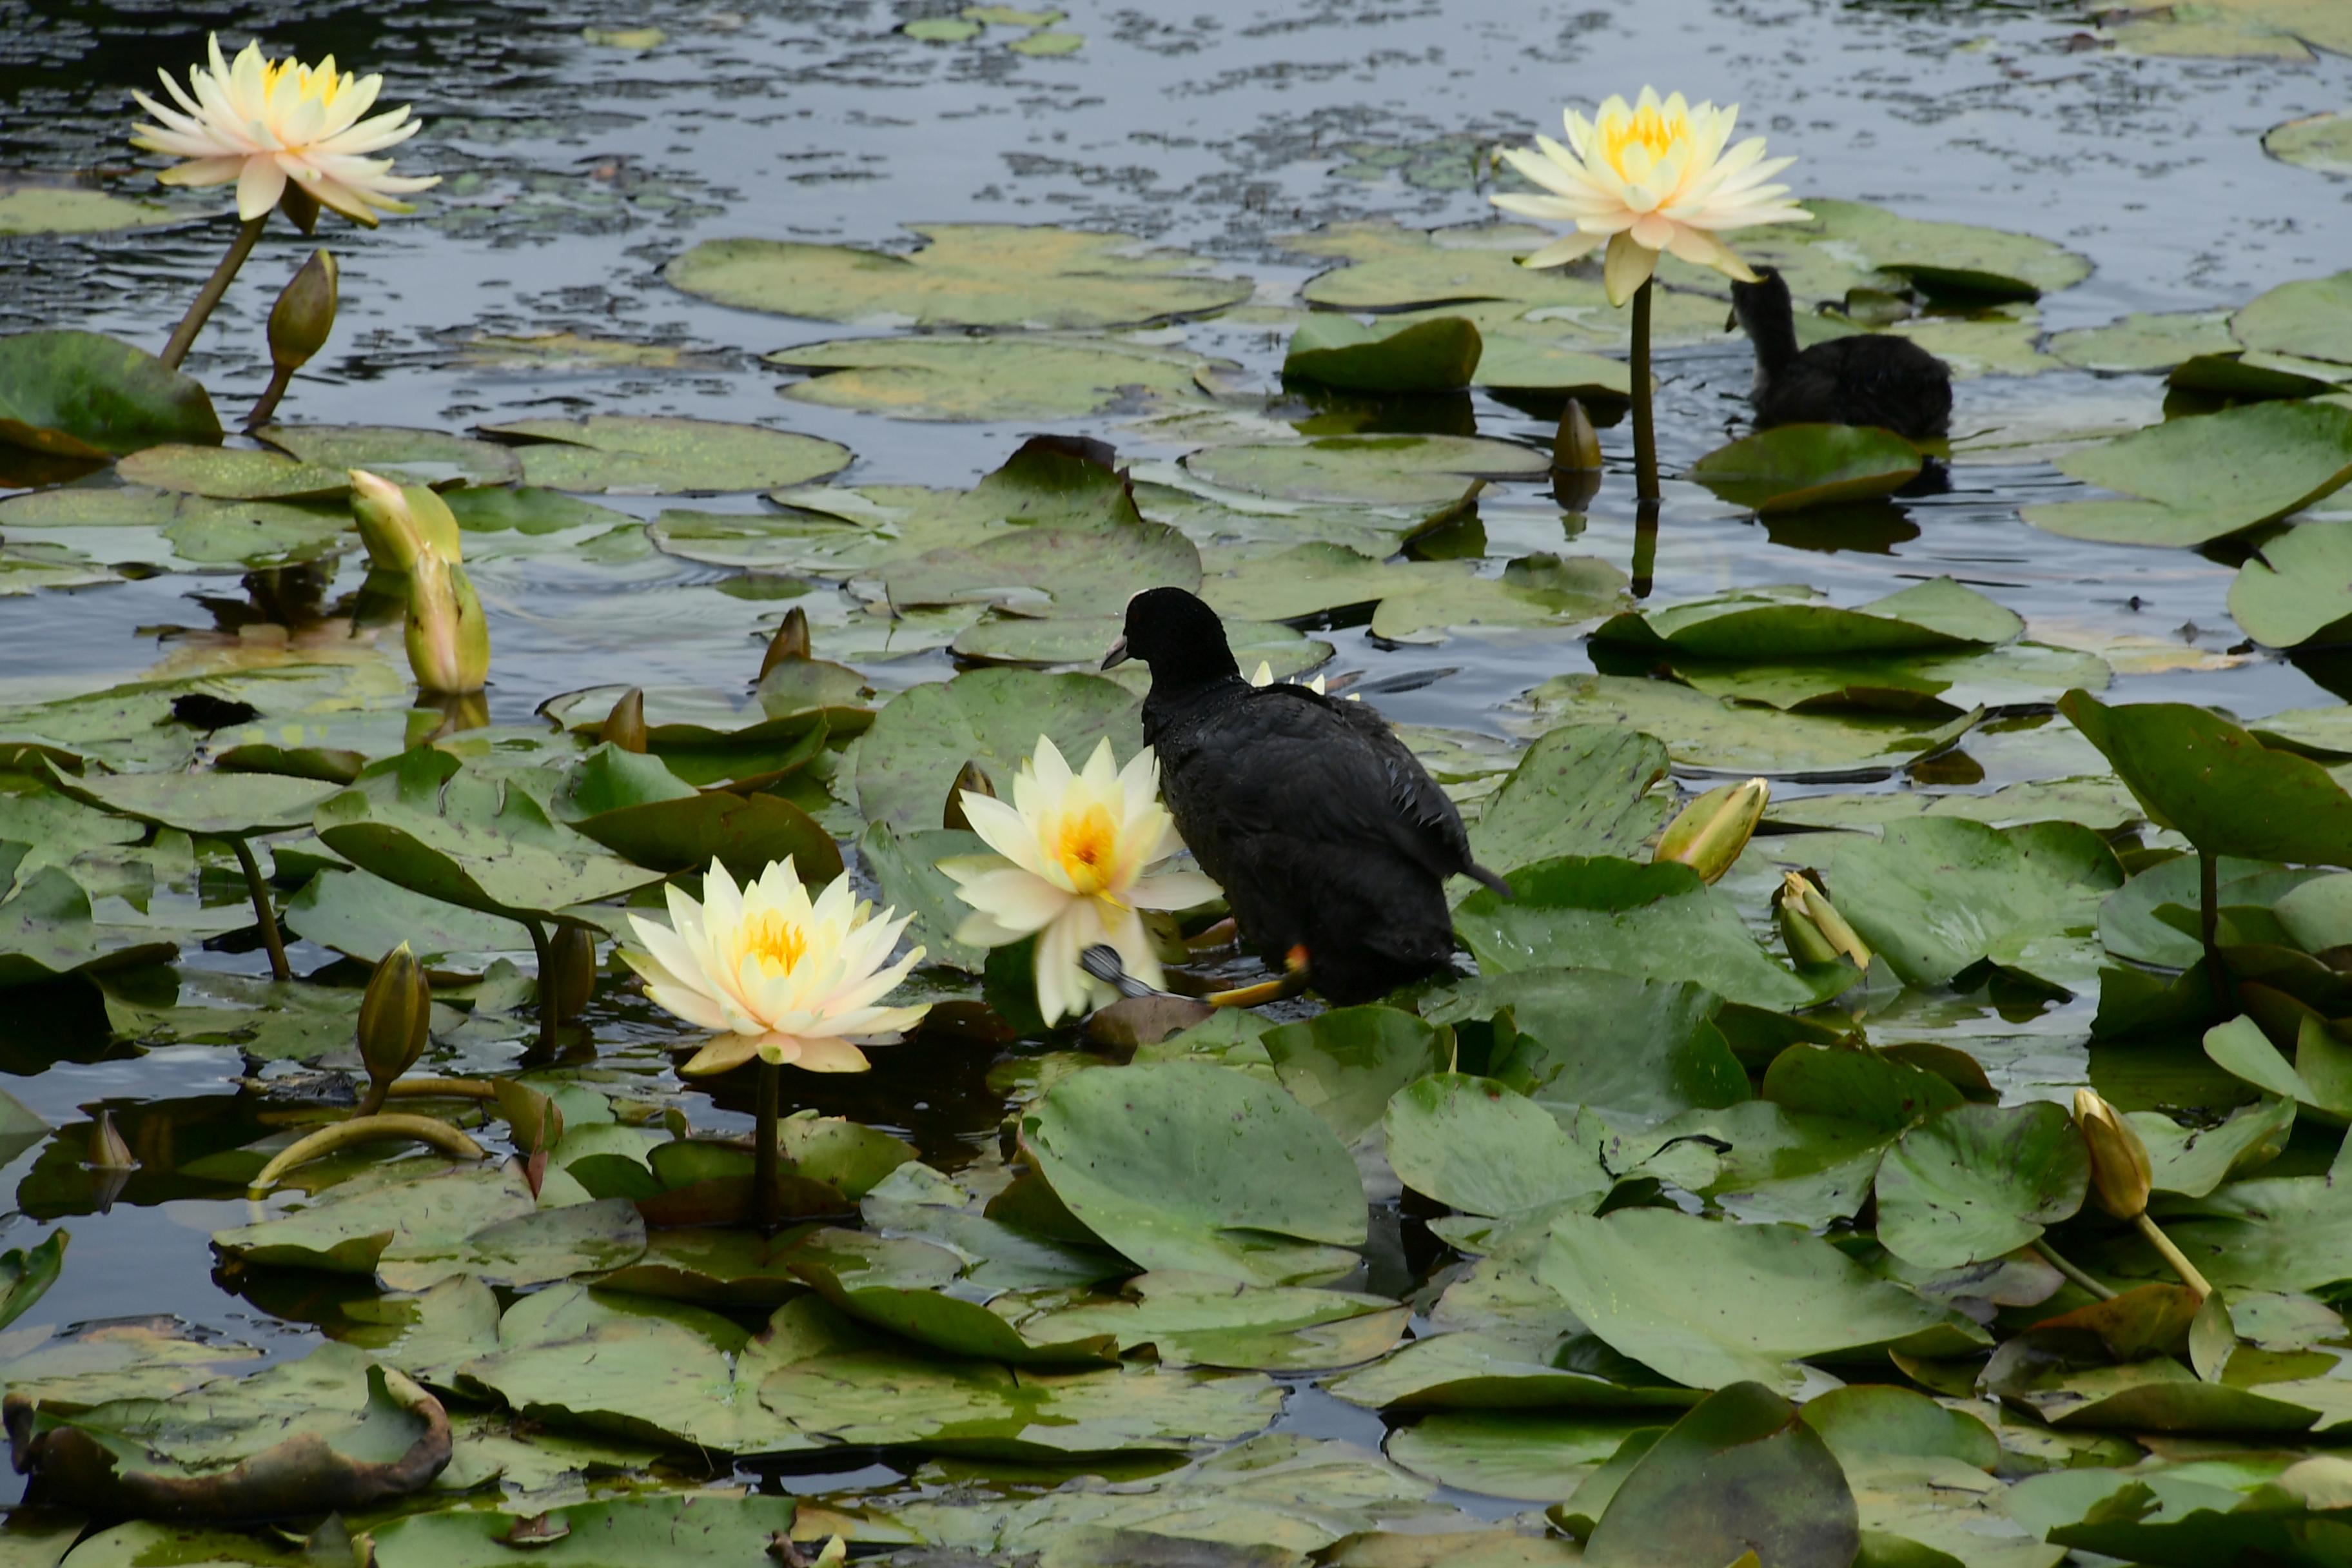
(1492, 880)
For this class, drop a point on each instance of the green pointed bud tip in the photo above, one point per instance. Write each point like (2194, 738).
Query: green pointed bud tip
(972, 779)
(400, 522)
(2121, 1176)
(1808, 948)
(108, 1152)
(1575, 446)
(624, 726)
(395, 1015)
(448, 640)
(572, 977)
(790, 641)
(1709, 834)
(304, 316)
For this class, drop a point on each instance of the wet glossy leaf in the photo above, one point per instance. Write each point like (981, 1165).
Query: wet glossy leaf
(1474, 1145)
(2320, 142)
(1536, 1457)
(117, 1359)
(1976, 1181)
(921, 740)
(366, 917)
(1579, 790)
(1437, 354)
(2292, 589)
(1587, 1037)
(2220, 787)
(2305, 319)
(1791, 623)
(1712, 732)
(647, 455)
(1714, 1304)
(1192, 1321)
(2206, 475)
(231, 473)
(1657, 922)
(989, 378)
(1198, 1168)
(208, 805)
(1794, 467)
(82, 395)
(407, 456)
(1376, 470)
(1343, 1064)
(965, 274)
(1738, 1473)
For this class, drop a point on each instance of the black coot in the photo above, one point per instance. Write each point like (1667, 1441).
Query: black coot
(1868, 379)
(1325, 832)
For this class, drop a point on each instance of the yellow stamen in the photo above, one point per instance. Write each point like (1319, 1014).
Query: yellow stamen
(776, 941)
(1087, 844)
(1650, 127)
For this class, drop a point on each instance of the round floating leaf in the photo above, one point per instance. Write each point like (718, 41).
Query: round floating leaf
(921, 740)
(2246, 376)
(2298, 588)
(2145, 343)
(1739, 1473)
(1192, 1321)
(650, 455)
(1794, 467)
(230, 473)
(1375, 471)
(413, 457)
(1531, 1455)
(46, 928)
(2320, 142)
(1582, 789)
(485, 508)
(651, 1528)
(1415, 600)
(1480, 1371)
(1782, 624)
(156, 527)
(966, 275)
(1198, 1168)
(365, 916)
(1942, 258)
(67, 209)
(1712, 1304)
(217, 806)
(82, 395)
(2206, 475)
(1867, 1421)
(633, 804)
(1084, 639)
(1590, 1037)
(1047, 570)
(969, 378)
(1344, 1063)
(1705, 731)
(1977, 1181)
(1474, 1145)
(1438, 353)
(2311, 319)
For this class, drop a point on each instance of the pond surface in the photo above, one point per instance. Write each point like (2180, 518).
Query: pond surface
(574, 171)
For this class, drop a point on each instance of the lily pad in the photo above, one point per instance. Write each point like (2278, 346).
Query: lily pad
(1437, 354)
(1792, 467)
(46, 930)
(964, 275)
(2207, 475)
(68, 209)
(1201, 1169)
(2145, 343)
(989, 378)
(909, 760)
(425, 1206)
(1412, 601)
(1191, 1321)
(2305, 319)
(1474, 1145)
(363, 915)
(628, 1530)
(1789, 622)
(1535, 1455)
(1711, 732)
(1373, 470)
(2298, 588)
(1047, 570)
(634, 805)
(1587, 1037)
(1343, 1064)
(211, 805)
(1975, 1181)
(82, 395)
(230, 473)
(1581, 789)
(2320, 142)
(652, 455)
(409, 456)
(157, 528)
(1476, 1370)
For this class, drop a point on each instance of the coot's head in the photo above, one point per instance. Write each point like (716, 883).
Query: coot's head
(1177, 636)
(1761, 304)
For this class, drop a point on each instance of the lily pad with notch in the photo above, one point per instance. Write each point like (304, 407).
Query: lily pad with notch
(1714, 733)
(635, 806)
(1792, 467)
(1975, 1181)
(1021, 376)
(1437, 353)
(1381, 470)
(2206, 476)
(230, 473)
(923, 738)
(83, 395)
(658, 455)
(1793, 622)
(407, 455)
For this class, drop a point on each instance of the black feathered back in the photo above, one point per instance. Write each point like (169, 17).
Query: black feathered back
(1868, 379)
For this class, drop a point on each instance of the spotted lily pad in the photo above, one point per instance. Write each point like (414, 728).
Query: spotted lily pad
(1437, 354)
(1379, 471)
(1579, 790)
(2306, 319)
(1476, 1146)
(1975, 1181)
(1792, 467)
(965, 274)
(231, 473)
(82, 395)
(1707, 731)
(908, 761)
(2206, 475)
(653, 455)
(987, 378)
(2320, 142)
(413, 457)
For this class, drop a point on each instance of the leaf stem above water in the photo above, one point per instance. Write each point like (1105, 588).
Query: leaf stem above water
(183, 336)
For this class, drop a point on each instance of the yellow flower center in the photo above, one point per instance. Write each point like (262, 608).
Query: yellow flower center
(1087, 846)
(776, 941)
(322, 83)
(1647, 125)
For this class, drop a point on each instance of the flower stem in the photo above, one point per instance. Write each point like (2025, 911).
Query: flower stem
(360, 1130)
(1646, 547)
(2208, 927)
(2173, 1256)
(183, 336)
(267, 405)
(1645, 432)
(545, 1048)
(2049, 1255)
(258, 891)
(763, 1148)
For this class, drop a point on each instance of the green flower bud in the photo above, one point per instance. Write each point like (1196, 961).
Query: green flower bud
(1575, 446)
(624, 726)
(305, 313)
(1708, 834)
(398, 523)
(1811, 927)
(571, 970)
(790, 641)
(108, 1152)
(395, 1018)
(448, 640)
(2121, 1178)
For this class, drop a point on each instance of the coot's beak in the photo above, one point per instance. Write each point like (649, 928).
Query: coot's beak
(1116, 656)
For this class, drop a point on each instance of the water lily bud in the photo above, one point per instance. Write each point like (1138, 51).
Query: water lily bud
(399, 521)
(624, 726)
(2120, 1176)
(305, 313)
(448, 640)
(300, 207)
(1811, 927)
(974, 779)
(571, 970)
(1575, 446)
(108, 1152)
(1709, 833)
(790, 641)
(395, 1017)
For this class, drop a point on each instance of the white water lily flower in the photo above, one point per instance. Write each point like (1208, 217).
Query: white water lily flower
(1647, 177)
(774, 973)
(262, 122)
(1264, 676)
(1072, 865)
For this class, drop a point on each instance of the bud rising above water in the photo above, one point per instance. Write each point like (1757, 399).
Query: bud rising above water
(2120, 1174)
(624, 726)
(790, 641)
(395, 1018)
(448, 640)
(304, 316)
(1812, 926)
(108, 1152)
(571, 969)
(398, 523)
(1709, 833)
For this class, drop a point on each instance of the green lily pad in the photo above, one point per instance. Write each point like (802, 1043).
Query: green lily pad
(652, 455)
(2227, 792)
(2145, 343)
(907, 763)
(2319, 1077)
(2156, 1394)
(1197, 1168)
(27, 1273)
(965, 274)
(407, 456)
(1343, 1064)
(1792, 467)
(213, 804)
(1082, 639)
(1974, 1181)
(157, 528)
(2272, 1233)
(421, 820)
(1389, 265)
(267, 1020)
(1657, 1285)
(1414, 601)
(633, 804)
(68, 209)
(2243, 374)
(915, 1200)
(1867, 1421)
(1581, 789)
(2193, 1161)
(2207, 475)
(1657, 922)
(230, 473)
(1047, 570)
(1534, 1456)
(366, 917)
(989, 378)
(1491, 1371)
(2320, 142)
(1711, 732)
(46, 930)
(1373, 470)
(1789, 622)
(2298, 588)
(1192, 1321)
(1587, 1037)
(2305, 319)
(1937, 897)
(1438, 353)
(1740, 1472)
(627, 1529)
(424, 1208)
(82, 395)
(1474, 1145)
(917, 1310)
(1942, 258)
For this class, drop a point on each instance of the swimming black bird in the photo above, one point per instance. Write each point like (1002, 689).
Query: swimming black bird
(1325, 832)
(1869, 378)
